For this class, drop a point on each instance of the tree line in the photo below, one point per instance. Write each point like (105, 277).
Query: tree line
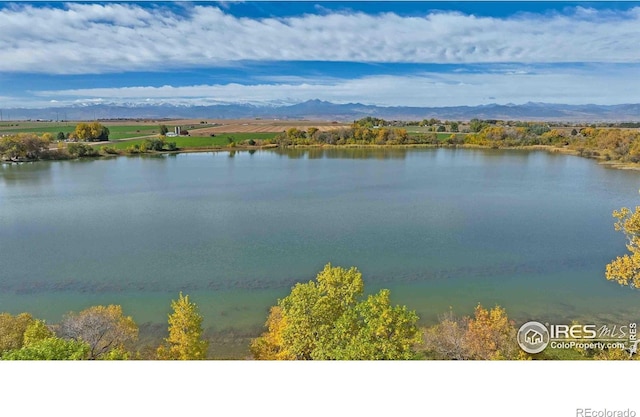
(608, 144)
(100, 333)
(33, 147)
(328, 318)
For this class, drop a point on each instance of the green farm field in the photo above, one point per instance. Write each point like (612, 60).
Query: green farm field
(442, 136)
(128, 130)
(131, 131)
(116, 132)
(219, 140)
(12, 128)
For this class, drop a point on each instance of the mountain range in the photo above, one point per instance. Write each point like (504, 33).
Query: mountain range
(323, 110)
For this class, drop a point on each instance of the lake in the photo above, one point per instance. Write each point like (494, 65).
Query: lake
(529, 230)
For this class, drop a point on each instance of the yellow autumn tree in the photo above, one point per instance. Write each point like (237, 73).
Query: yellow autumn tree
(12, 329)
(488, 335)
(491, 335)
(625, 270)
(327, 319)
(270, 346)
(185, 333)
(91, 132)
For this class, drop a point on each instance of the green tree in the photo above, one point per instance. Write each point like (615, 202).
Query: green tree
(61, 136)
(78, 150)
(164, 130)
(324, 319)
(35, 332)
(103, 328)
(185, 333)
(312, 308)
(476, 125)
(51, 348)
(155, 144)
(371, 330)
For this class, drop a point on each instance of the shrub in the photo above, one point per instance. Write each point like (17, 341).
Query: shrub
(156, 144)
(79, 150)
(110, 150)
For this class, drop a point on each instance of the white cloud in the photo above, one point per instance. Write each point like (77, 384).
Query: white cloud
(98, 38)
(593, 84)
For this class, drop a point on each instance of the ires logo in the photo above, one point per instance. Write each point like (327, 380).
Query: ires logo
(575, 331)
(533, 337)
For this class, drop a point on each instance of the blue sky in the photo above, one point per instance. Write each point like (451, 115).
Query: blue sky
(270, 53)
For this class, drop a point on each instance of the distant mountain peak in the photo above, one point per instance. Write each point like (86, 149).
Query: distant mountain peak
(324, 110)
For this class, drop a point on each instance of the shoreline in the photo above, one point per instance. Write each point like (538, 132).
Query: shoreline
(548, 148)
(630, 166)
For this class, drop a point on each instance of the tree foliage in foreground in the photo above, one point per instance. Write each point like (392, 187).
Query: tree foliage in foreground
(12, 329)
(625, 269)
(326, 319)
(185, 340)
(104, 328)
(488, 335)
(35, 332)
(40, 343)
(51, 348)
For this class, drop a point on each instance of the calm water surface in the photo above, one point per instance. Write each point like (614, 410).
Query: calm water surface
(530, 231)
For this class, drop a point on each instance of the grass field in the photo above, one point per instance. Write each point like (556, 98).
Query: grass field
(442, 136)
(202, 141)
(131, 131)
(200, 131)
(239, 130)
(116, 131)
(11, 128)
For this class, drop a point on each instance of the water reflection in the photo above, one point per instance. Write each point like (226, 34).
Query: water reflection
(25, 173)
(343, 153)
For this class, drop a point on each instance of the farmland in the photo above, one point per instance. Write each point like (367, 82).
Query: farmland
(219, 140)
(129, 129)
(123, 130)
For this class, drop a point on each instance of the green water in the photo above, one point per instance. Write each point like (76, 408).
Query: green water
(531, 231)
